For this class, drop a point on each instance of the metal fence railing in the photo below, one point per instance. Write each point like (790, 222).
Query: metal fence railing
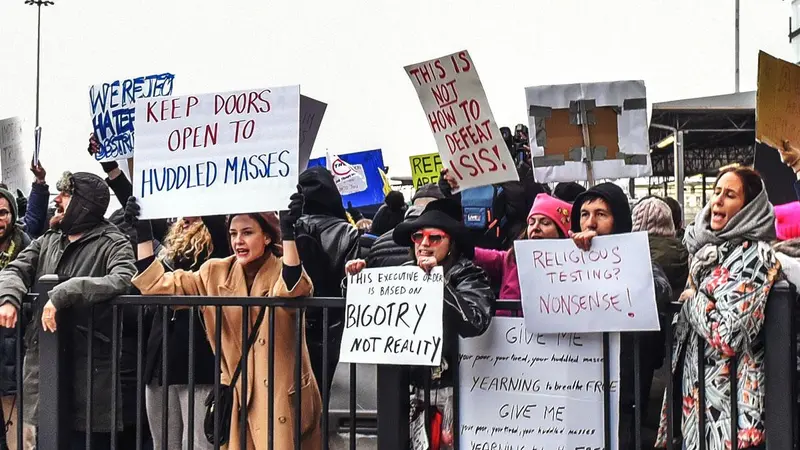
(58, 360)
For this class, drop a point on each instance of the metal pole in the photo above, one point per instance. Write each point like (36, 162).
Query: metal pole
(38, 57)
(737, 46)
(679, 172)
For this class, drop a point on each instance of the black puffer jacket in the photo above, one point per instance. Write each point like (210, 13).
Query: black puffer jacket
(8, 336)
(386, 253)
(467, 311)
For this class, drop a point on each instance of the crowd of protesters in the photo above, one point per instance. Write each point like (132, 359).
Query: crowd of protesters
(720, 269)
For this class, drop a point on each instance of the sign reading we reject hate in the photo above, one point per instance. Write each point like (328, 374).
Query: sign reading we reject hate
(458, 113)
(209, 154)
(568, 290)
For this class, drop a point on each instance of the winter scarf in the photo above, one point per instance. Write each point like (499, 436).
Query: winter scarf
(755, 222)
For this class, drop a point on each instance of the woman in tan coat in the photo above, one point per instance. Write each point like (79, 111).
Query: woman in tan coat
(256, 269)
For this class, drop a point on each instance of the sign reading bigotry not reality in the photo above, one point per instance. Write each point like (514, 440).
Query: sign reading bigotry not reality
(458, 113)
(568, 290)
(209, 154)
(113, 112)
(394, 316)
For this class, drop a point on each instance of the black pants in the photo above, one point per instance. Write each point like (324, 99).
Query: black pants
(100, 441)
(316, 346)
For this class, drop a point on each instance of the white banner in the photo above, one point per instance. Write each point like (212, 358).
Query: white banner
(208, 154)
(394, 316)
(519, 389)
(618, 132)
(349, 179)
(12, 160)
(567, 290)
(458, 113)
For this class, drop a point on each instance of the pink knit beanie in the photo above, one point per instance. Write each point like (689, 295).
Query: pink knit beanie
(787, 221)
(554, 209)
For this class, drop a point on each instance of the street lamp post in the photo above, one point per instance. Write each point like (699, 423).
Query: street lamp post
(38, 129)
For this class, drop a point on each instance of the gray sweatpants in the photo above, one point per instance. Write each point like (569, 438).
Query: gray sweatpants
(178, 416)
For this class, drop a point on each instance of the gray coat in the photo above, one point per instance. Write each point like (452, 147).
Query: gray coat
(99, 265)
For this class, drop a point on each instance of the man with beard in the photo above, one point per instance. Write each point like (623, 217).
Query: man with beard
(98, 261)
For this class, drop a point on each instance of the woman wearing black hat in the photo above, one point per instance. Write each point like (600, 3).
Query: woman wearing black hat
(438, 238)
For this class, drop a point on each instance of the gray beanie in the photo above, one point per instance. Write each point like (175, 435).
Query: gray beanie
(654, 216)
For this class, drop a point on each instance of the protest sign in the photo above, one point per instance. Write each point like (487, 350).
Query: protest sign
(458, 113)
(517, 388)
(617, 132)
(208, 154)
(311, 112)
(348, 179)
(368, 164)
(425, 169)
(777, 102)
(12, 161)
(568, 290)
(114, 109)
(394, 316)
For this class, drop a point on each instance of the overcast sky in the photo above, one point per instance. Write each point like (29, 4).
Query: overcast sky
(350, 54)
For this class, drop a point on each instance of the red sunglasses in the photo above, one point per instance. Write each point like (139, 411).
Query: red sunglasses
(434, 238)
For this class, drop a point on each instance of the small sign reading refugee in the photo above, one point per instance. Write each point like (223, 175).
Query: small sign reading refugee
(425, 169)
(568, 290)
(394, 316)
(217, 153)
(462, 123)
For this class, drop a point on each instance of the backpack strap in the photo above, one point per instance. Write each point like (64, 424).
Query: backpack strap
(250, 341)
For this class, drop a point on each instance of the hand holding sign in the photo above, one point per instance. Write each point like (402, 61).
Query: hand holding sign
(608, 287)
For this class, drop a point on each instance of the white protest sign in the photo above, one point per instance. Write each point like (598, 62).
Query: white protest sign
(617, 130)
(113, 111)
(209, 154)
(311, 113)
(394, 316)
(518, 388)
(11, 159)
(567, 290)
(349, 179)
(458, 113)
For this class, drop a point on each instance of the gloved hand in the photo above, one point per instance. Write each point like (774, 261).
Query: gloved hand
(144, 231)
(289, 217)
(94, 147)
(22, 204)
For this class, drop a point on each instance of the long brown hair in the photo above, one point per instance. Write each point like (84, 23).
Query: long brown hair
(189, 245)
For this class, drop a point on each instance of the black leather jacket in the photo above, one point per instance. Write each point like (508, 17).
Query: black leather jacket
(325, 244)
(467, 311)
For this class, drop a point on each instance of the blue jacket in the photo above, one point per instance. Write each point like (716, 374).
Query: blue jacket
(35, 221)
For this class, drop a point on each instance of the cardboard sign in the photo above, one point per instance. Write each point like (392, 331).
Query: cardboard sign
(113, 111)
(366, 163)
(777, 101)
(425, 169)
(208, 154)
(394, 316)
(616, 117)
(311, 113)
(567, 290)
(12, 161)
(458, 113)
(517, 388)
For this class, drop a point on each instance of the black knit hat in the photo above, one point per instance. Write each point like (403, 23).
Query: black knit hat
(568, 191)
(617, 201)
(445, 215)
(429, 190)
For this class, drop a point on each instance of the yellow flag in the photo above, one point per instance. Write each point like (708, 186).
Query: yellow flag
(387, 187)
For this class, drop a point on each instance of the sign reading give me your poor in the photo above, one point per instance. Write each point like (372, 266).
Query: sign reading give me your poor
(210, 154)
(394, 316)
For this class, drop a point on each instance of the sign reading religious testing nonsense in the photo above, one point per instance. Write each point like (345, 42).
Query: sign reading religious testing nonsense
(209, 154)
(568, 290)
(394, 316)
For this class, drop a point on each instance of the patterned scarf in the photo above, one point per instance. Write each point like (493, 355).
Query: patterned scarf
(755, 222)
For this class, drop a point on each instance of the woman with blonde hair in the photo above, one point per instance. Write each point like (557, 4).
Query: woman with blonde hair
(259, 267)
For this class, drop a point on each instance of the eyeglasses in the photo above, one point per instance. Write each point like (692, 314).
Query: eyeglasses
(434, 238)
(4, 213)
